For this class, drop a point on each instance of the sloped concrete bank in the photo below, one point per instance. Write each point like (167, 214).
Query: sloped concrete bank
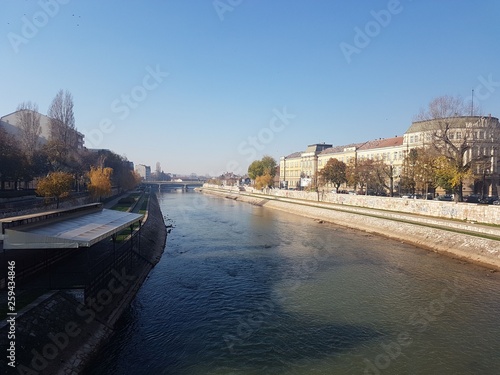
(57, 334)
(480, 247)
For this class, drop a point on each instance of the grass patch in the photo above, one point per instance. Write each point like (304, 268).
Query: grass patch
(123, 235)
(125, 203)
(120, 207)
(144, 205)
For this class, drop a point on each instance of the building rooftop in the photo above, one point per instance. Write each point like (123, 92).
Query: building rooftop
(294, 155)
(452, 122)
(337, 149)
(317, 147)
(78, 230)
(381, 143)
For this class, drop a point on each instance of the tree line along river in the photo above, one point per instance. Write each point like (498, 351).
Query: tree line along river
(242, 289)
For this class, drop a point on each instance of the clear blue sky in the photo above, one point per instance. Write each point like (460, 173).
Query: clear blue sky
(205, 78)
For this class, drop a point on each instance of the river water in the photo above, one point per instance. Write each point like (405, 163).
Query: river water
(242, 289)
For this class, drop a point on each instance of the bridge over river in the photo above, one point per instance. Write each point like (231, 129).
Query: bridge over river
(173, 185)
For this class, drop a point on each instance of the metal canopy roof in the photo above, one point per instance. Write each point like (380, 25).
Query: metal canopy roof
(72, 232)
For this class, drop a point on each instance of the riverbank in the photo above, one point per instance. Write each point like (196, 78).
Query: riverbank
(472, 242)
(57, 334)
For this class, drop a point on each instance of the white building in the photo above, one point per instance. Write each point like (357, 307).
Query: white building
(144, 171)
(11, 124)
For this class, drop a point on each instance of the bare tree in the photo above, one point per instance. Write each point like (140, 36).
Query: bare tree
(466, 141)
(384, 176)
(447, 106)
(62, 119)
(29, 120)
(9, 158)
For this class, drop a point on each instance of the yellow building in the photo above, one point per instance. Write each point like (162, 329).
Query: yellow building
(300, 168)
(479, 136)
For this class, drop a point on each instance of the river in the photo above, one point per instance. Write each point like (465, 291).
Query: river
(242, 289)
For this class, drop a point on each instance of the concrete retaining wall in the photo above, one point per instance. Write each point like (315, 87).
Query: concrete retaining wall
(487, 214)
(472, 248)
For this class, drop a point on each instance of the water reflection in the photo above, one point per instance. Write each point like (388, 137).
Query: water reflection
(246, 290)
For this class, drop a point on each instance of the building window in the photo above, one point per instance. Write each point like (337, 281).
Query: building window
(451, 135)
(459, 135)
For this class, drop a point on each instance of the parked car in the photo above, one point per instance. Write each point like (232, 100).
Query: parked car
(497, 202)
(444, 198)
(413, 196)
(473, 198)
(488, 200)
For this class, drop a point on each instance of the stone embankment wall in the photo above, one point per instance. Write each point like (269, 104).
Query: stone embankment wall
(58, 335)
(445, 236)
(480, 213)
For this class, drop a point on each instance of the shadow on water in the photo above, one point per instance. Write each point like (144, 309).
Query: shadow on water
(276, 344)
(222, 302)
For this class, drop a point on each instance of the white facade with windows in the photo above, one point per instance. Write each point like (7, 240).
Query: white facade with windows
(479, 134)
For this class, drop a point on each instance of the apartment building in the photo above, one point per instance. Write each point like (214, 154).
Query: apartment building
(11, 124)
(479, 135)
(144, 171)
